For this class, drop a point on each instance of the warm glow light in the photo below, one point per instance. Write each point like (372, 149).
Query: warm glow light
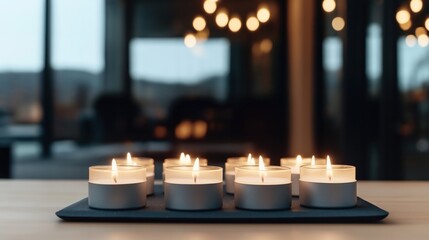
(406, 25)
(427, 23)
(190, 42)
(420, 31)
(184, 129)
(328, 167)
(210, 6)
(416, 5)
(266, 45)
(196, 169)
(298, 161)
(338, 24)
(423, 40)
(130, 160)
(410, 40)
(250, 160)
(402, 16)
(222, 18)
(263, 14)
(261, 164)
(187, 160)
(252, 23)
(262, 169)
(203, 35)
(329, 5)
(199, 23)
(313, 161)
(234, 24)
(114, 171)
(200, 129)
(160, 132)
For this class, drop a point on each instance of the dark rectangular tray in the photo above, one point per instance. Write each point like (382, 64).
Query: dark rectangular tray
(156, 212)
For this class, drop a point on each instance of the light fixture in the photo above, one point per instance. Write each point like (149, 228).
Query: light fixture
(338, 24)
(210, 6)
(410, 40)
(402, 16)
(199, 23)
(427, 23)
(423, 40)
(406, 26)
(329, 5)
(190, 40)
(252, 23)
(263, 14)
(234, 24)
(222, 18)
(416, 5)
(420, 31)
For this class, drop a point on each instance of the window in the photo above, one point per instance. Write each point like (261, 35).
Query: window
(77, 60)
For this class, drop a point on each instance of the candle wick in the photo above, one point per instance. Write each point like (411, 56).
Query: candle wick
(329, 178)
(114, 179)
(195, 179)
(262, 179)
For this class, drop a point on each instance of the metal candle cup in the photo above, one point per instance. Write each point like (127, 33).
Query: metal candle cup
(148, 163)
(189, 190)
(124, 188)
(267, 190)
(321, 189)
(295, 167)
(230, 165)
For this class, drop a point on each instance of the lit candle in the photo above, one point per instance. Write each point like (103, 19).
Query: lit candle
(148, 163)
(193, 188)
(295, 166)
(328, 186)
(232, 163)
(117, 187)
(262, 187)
(183, 160)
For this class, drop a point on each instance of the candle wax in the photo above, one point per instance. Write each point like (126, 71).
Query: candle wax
(258, 181)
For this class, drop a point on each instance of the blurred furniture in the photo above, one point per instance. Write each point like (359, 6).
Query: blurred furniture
(31, 205)
(5, 159)
(116, 116)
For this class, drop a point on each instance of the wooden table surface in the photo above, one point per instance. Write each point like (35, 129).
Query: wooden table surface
(27, 211)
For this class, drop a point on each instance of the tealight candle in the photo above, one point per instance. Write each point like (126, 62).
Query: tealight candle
(193, 188)
(262, 188)
(148, 163)
(295, 166)
(232, 163)
(117, 187)
(184, 160)
(328, 186)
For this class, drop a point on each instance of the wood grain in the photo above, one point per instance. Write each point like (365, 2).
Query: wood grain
(27, 211)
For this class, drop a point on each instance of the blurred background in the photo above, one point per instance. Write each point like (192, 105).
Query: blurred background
(84, 81)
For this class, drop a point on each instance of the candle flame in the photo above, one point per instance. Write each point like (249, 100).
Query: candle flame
(196, 169)
(114, 171)
(298, 161)
(250, 160)
(129, 159)
(328, 168)
(188, 160)
(185, 159)
(313, 161)
(262, 169)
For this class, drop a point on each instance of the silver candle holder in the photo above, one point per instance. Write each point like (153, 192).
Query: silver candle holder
(328, 187)
(262, 189)
(189, 189)
(117, 187)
